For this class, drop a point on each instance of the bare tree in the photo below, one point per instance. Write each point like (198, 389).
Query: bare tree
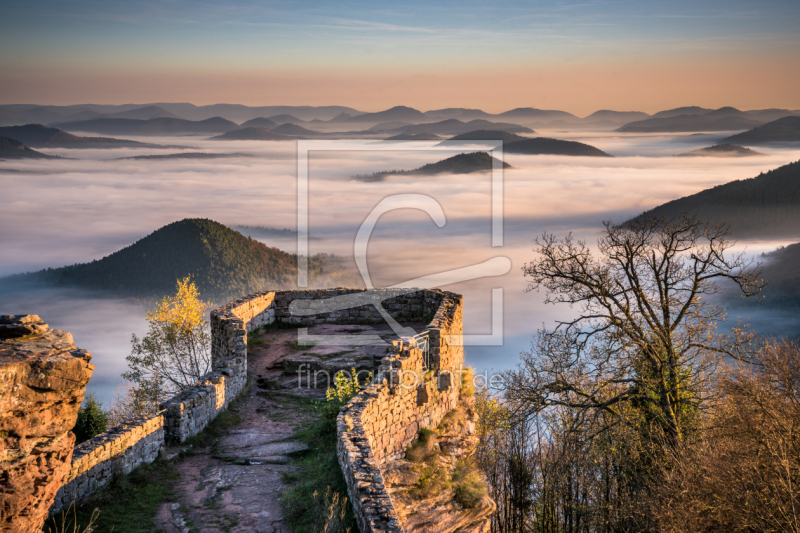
(644, 348)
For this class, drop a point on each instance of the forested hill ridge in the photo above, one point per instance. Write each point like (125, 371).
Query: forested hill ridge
(547, 146)
(786, 129)
(781, 270)
(251, 134)
(222, 262)
(38, 136)
(767, 206)
(13, 149)
(458, 164)
(721, 150)
(153, 126)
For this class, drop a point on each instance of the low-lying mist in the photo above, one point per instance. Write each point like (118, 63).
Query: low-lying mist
(61, 212)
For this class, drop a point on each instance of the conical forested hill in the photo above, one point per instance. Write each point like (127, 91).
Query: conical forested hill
(222, 262)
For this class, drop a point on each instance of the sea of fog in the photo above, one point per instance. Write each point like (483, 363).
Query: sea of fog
(57, 212)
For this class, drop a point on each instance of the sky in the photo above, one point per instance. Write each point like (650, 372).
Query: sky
(573, 55)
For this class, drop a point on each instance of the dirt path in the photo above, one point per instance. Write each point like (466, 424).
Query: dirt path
(232, 482)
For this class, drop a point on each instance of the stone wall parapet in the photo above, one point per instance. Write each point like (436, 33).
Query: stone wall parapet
(377, 425)
(118, 451)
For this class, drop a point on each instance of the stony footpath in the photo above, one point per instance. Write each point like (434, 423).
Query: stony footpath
(234, 483)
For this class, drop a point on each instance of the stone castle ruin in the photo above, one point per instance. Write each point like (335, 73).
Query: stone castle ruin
(43, 377)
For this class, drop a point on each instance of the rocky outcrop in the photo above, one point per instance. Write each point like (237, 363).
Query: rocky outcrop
(42, 380)
(437, 488)
(418, 383)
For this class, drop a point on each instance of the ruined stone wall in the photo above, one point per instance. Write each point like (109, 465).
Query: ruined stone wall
(119, 451)
(42, 380)
(139, 441)
(297, 308)
(191, 410)
(379, 423)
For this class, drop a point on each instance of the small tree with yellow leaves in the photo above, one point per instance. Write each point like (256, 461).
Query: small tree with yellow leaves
(175, 353)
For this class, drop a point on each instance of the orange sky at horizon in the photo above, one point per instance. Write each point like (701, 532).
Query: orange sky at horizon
(578, 88)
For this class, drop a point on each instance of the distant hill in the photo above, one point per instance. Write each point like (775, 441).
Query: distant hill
(389, 126)
(698, 119)
(40, 136)
(13, 149)
(606, 116)
(456, 127)
(781, 270)
(397, 113)
(460, 113)
(242, 113)
(547, 146)
(721, 150)
(286, 119)
(155, 126)
(530, 114)
(293, 129)
(688, 110)
(140, 113)
(222, 262)
(786, 129)
(689, 123)
(458, 164)
(251, 134)
(767, 206)
(185, 155)
(413, 137)
(144, 113)
(259, 122)
(341, 117)
(488, 135)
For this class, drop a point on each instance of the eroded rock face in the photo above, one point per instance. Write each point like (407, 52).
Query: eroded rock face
(439, 511)
(42, 380)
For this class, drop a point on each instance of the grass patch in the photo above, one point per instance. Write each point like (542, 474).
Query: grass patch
(432, 482)
(424, 448)
(254, 342)
(468, 483)
(126, 505)
(450, 421)
(319, 485)
(467, 382)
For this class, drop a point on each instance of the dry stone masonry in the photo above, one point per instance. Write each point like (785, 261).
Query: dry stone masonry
(43, 377)
(379, 423)
(42, 380)
(118, 451)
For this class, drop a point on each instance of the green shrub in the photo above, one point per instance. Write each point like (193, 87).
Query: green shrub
(304, 509)
(469, 484)
(432, 482)
(344, 389)
(467, 382)
(424, 447)
(92, 419)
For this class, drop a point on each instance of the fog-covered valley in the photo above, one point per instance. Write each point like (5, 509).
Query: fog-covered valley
(92, 203)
